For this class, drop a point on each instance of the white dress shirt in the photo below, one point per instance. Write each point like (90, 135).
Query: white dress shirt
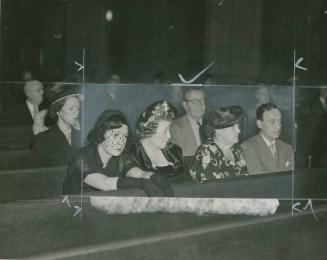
(271, 145)
(34, 110)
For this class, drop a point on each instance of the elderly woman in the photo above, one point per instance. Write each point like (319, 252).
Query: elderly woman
(56, 145)
(153, 156)
(220, 157)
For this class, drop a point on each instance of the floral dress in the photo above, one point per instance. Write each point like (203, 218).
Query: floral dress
(210, 163)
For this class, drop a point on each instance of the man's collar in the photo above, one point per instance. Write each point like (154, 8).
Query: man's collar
(29, 103)
(193, 120)
(268, 143)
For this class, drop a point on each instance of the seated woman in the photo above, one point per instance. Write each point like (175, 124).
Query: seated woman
(153, 156)
(100, 164)
(220, 156)
(56, 145)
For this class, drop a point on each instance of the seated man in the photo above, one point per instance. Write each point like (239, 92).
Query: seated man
(264, 152)
(26, 113)
(262, 96)
(187, 131)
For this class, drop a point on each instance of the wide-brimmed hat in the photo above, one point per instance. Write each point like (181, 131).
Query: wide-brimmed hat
(61, 91)
(149, 118)
(224, 117)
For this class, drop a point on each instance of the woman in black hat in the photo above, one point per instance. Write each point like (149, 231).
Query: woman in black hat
(153, 156)
(56, 145)
(220, 156)
(101, 164)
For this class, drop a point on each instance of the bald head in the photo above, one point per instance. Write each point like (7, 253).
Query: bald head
(34, 92)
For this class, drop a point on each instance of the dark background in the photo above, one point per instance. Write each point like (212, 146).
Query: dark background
(250, 41)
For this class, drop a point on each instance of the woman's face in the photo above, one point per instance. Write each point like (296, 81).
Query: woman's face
(229, 135)
(162, 135)
(70, 111)
(115, 140)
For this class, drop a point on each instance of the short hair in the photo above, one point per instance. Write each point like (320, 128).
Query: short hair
(109, 119)
(263, 108)
(192, 89)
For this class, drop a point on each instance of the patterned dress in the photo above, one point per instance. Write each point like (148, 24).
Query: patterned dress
(210, 163)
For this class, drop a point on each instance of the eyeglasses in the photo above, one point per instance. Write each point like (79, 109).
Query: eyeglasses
(196, 101)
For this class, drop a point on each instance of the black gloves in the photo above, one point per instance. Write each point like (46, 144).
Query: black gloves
(156, 186)
(147, 186)
(163, 183)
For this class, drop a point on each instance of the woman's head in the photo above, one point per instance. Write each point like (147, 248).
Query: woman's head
(65, 105)
(110, 131)
(223, 125)
(154, 123)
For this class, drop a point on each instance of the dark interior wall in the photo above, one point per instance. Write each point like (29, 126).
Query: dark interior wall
(145, 37)
(21, 38)
(294, 25)
(249, 40)
(233, 40)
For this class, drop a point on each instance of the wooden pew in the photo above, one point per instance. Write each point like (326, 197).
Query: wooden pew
(29, 184)
(15, 159)
(48, 182)
(15, 138)
(57, 233)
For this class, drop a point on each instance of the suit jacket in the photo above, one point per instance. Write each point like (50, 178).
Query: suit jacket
(51, 148)
(19, 116)
(259, 158)
(182, 134)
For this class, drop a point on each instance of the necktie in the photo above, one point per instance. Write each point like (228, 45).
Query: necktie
(273, 149)
(202, 133)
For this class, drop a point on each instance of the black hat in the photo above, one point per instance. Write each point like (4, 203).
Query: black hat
(60, 91)
(147, 123)
(224, 117)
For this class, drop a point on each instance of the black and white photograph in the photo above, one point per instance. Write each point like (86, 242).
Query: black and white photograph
(161, 129)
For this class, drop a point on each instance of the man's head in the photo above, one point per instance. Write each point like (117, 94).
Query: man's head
(34, 92)
(194, 103)
(269, 121)
(262, 95)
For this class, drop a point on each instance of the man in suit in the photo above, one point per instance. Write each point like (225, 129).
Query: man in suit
(187, 131)
(24, 114)
(264, 152)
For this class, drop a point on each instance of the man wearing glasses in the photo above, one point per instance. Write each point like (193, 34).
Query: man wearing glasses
(187, 131)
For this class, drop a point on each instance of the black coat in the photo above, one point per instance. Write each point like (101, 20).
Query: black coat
(19, 116)
(52, 148)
